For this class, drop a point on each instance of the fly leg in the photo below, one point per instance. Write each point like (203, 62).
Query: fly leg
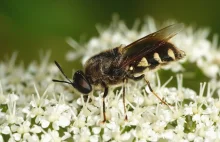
(123, 96)
(103, 103)
(152, 91)
(148, 84)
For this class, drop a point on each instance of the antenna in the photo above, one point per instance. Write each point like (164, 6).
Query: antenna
(54, 80)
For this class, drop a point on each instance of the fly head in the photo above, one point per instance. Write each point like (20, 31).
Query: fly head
(80, 82)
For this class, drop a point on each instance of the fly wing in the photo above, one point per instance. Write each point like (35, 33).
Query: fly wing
(146, 45)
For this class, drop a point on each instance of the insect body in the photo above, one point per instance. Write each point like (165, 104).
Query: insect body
(119, 64)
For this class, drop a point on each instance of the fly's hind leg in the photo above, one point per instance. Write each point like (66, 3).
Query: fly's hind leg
(148, 84)
(152, 91)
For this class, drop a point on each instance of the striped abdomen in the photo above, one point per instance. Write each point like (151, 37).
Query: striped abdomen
(160, 56)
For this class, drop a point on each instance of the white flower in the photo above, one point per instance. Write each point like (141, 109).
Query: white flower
(107, 134)
(17, 136)
(32, 108)
(44, 123)
(24, 127)
(35, 129)
(94, 138)
(96, 130)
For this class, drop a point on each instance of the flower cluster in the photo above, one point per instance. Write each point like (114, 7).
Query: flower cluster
(33, 109)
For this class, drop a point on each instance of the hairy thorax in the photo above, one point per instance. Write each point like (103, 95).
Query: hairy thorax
(104, 68)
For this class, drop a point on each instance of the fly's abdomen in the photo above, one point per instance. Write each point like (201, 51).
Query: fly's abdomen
(160, 56)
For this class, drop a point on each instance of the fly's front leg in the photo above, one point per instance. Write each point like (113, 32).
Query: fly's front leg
(103, 103)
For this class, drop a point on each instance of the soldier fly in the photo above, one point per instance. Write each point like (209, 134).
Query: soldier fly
(119, 64)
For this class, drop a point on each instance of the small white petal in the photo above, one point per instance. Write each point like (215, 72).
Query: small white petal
(44, 123)
(85, 131)
(76, 138)
(55, 125)
(112, 125)
(53, 117)
(13, 97)
(94, 138)
(1, 138)
(211, 134)
(14, 127)
(191, 136)
(33, 138)
(46, 138)
(188, 110)
(75, 130)
(66, 136)
(3, 99)
(17, 136)
(126, 136)
(36, 129)
(6, 130)
(107, 135)
(198, 139)
(26, 136)
(168, 135)
(96, 130)
(26, 110)
(196, 118)
(33, 104)
(63, 121)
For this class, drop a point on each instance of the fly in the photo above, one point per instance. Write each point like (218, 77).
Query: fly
(119, 64)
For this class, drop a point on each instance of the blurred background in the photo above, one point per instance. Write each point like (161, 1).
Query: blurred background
(32, 26)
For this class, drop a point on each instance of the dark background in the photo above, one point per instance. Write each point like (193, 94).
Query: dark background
(30, 26)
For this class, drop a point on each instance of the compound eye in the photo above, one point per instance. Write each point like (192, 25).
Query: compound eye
(81, 83)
